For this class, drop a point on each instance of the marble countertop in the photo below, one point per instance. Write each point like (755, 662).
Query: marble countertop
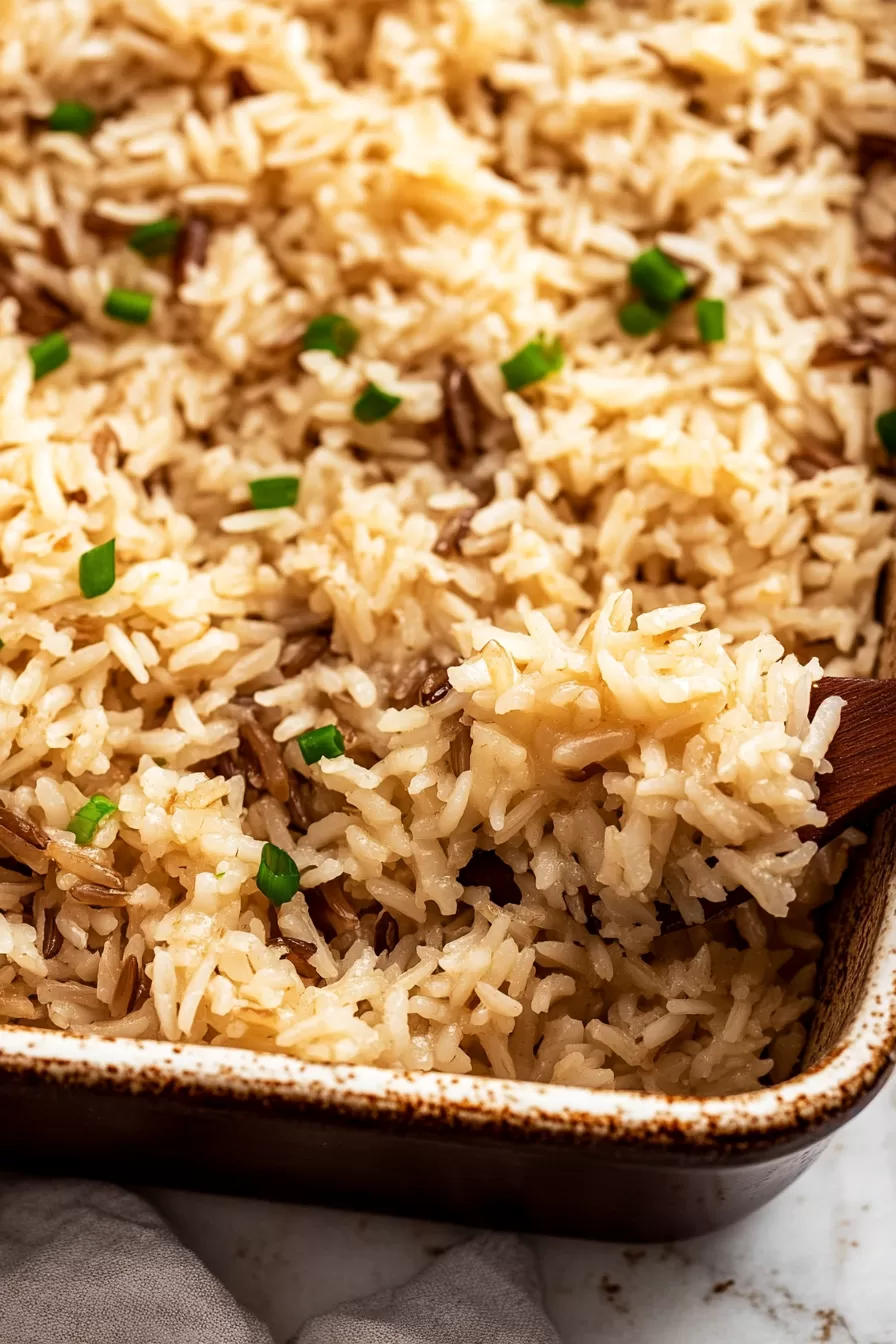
(815, 1266)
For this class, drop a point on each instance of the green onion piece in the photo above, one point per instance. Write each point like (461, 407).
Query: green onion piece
(639, 319)
(85, 821)
(535, 361)
(49, 354)
(2, 643)
(711, 319)
(277, 877)
(658, 279)
(886, 431)
(317, 742)
(333, 332)
(96, 569)
(374, 404)
(128, 305)
(569, 4)
(156, 239)
(72, 116)
(274, 492)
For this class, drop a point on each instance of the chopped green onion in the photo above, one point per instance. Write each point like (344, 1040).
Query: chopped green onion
(277, 877)
(658, 279)
(317, 742)
(96, 569)
(886, 431)
(72, 116)
(156, 239)
(374, 404)
(87, 818)
(639, 319)
(128, 305)
(49, 354)
(711, 319)
(333, 332)
(535, 361)
(569, 4)
(2, 643)
(274, 492)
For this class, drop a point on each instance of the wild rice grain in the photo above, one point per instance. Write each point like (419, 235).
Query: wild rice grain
(91, 893)
(298, 953)
(298, 803)
(125, 990)
(104, 227)
(453, 531)
(52, 940)
(385, 932)
(40, 312)
(813, 457)
(192, 248)
(408, 682)
(144, 989)
(330, 907)
(23, 827)
(274, 775)
(32, 856)
(434, 687)
(856, 354)
(106, 447)
(302, 653)
(55, 249)
(84, 861)
(459, 752)
(462, 413)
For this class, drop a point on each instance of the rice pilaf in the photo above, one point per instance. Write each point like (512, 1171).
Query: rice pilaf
(437, 457)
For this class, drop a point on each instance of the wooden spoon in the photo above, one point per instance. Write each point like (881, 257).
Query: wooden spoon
(863, 779)
(863, 752)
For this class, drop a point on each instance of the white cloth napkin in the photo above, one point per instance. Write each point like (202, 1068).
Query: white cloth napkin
(86, 1263)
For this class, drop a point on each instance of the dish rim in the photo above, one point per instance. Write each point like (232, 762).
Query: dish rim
(816, 1098)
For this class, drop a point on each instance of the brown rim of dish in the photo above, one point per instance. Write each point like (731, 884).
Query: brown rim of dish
(742, 1128)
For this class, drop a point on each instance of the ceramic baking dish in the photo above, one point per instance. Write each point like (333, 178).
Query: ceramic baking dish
(620, 1165)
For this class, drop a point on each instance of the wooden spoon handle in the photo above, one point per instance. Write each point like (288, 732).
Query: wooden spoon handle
(862, 754)
(863, 775)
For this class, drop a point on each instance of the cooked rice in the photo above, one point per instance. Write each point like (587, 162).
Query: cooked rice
(631, 588)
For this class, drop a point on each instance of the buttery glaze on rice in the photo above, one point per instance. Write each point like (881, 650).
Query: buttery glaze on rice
(632, 570)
